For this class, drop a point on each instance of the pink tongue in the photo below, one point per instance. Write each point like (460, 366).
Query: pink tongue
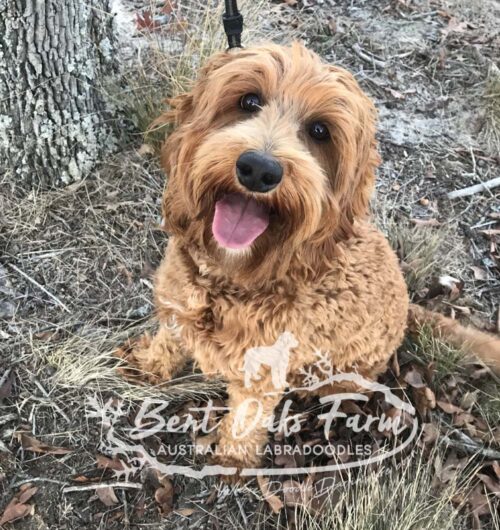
(238, 221)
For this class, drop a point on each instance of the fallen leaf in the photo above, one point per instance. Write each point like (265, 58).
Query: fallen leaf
(454, 26)
(145, 20)
(273, 500)
(490, 232)
(7, 386)
(492, 484)
(480, 273)
(430, 433)
(17, 507)
(146, 149)
(26, 491)
(296, 493)
(462, 418)
(29, 443)
(449, 408)
(169, 7)
(414, 378)
(103, 462)
(107, 496)
(164, 497)
(453, 286)
(425, 222)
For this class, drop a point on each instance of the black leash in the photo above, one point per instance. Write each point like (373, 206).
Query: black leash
(233, 24)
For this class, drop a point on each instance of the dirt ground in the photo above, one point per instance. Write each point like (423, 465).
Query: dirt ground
(75, 282)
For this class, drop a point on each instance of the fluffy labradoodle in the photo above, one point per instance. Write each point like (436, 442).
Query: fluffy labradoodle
(271, 167)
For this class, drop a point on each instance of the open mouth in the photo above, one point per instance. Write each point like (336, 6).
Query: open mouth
(239, 220)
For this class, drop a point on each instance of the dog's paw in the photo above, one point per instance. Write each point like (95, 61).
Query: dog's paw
(136, 369)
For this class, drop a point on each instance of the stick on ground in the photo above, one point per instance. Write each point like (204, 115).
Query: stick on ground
(477, 188)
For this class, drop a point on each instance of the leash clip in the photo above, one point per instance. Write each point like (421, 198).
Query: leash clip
(233, 24)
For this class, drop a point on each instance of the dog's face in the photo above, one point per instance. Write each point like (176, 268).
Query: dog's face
(273, 156)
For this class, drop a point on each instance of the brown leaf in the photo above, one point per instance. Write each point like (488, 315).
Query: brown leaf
(496, 468)
(452, 285)
(478, 502)
(164, 497)
(26, 491)
(273, 500)
(425, 222)
(107, 496)
(430, 433)
(490, 232)
(414, 378)
(454, 26)
(17, 507)
(146, 149)
(169, 7)
(479, 273)
(7, 386)
(103, 462)
(492, 484)
(145, 20)
(424, 399)
(285, 460)
(296, 493)
(29, 443)
(462, 418)
(449, 408)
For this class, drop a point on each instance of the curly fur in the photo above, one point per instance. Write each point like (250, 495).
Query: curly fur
(320, 271)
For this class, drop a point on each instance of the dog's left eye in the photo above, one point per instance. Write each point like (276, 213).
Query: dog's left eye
(251, 102)
(319, 131)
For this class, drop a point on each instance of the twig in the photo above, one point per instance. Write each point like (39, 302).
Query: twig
(101, 485)
(367, 57)
(34, 282)
(36, 479)
(5, 376)
(470, 446)
(477, 188)
(52, 402)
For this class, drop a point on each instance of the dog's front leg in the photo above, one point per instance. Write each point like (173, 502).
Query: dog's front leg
(154, 359)
(243, 431)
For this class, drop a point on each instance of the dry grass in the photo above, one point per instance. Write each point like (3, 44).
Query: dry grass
(405, 498)
(425, 252)
(491, 128)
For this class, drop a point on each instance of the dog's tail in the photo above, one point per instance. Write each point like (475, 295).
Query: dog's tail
(475, 343)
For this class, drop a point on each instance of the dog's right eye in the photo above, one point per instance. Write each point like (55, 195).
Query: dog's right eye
(251, 103)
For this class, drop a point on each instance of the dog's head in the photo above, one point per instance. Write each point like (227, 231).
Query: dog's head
(273, 157)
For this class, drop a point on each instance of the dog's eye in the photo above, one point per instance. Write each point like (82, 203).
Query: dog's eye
(251, 102)
(319, 131)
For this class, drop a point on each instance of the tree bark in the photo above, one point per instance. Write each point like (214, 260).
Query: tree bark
(55, 120)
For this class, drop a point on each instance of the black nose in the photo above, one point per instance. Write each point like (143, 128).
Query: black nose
(258, 171)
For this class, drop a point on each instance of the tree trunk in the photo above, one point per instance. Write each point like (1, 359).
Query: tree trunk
(55, 121)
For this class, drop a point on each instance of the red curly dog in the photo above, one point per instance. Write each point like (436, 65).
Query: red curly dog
(271, 168)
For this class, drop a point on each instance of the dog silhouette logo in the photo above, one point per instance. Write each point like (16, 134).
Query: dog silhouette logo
(276, 357)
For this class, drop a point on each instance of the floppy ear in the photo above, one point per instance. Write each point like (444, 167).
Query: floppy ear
(186, 116)
(353, 162)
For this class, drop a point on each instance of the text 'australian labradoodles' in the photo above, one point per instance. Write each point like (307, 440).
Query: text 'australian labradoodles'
(271, 168)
